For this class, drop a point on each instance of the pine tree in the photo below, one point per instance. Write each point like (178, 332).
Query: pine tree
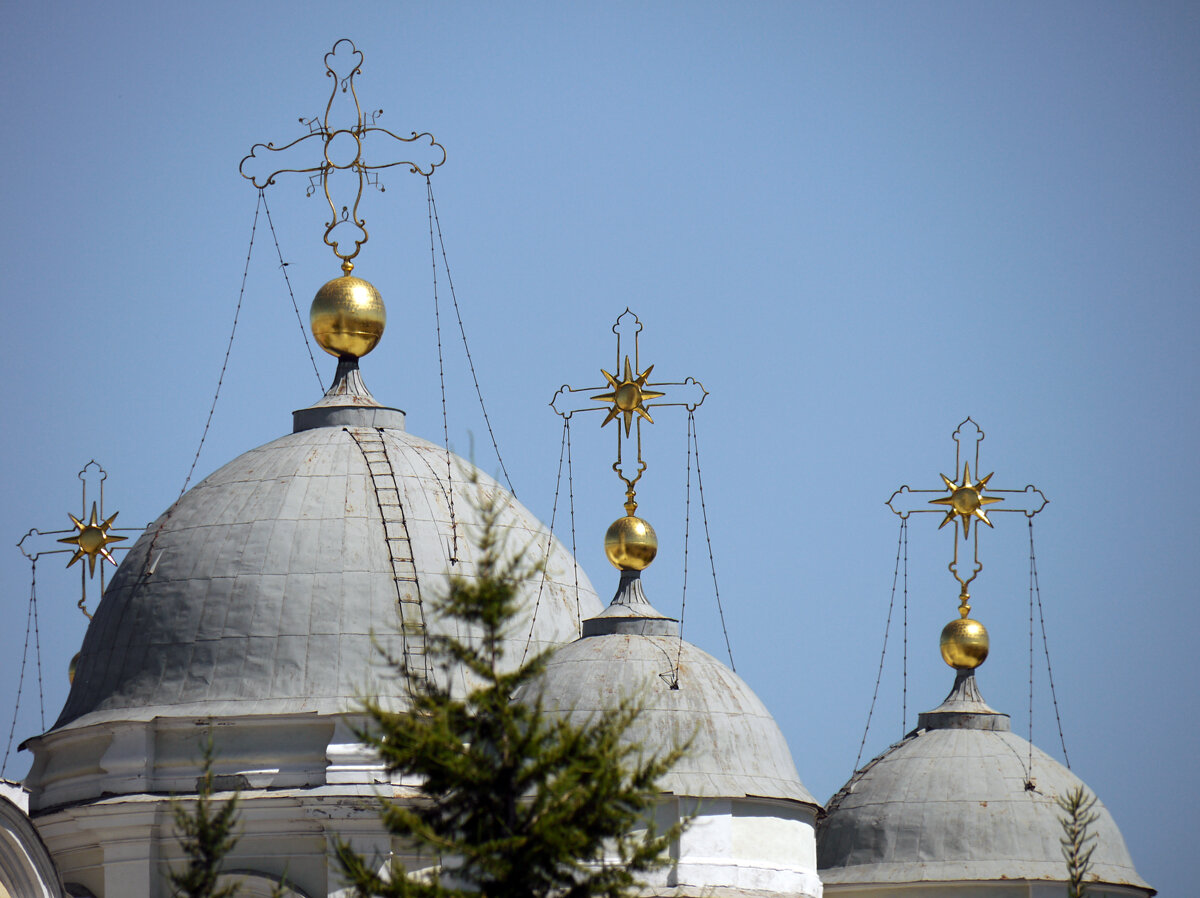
(207, 832)
(516, 803)
(1078, 840)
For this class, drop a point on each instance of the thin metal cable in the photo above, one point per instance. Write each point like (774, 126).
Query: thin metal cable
(900, 541)
(228, 348)
(151, 561)
(708, 539)
(24, 656)
(1030, 764)
(462, 330)
(1046, 646)
(283, 267)
(562, 450)
(571, 501)
(437, 321)
(37, 647)
(904, 677)
(687, 527)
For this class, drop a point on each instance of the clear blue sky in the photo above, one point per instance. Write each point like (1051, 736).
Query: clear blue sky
(855, 223)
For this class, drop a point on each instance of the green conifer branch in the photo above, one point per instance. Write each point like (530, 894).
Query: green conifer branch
(207, 832)
(516, 802)
(1078, 841)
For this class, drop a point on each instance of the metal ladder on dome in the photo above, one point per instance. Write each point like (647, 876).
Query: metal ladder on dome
(395, 529)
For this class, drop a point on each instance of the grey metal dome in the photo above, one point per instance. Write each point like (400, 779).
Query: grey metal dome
(957, 800)
(631, 650)
(262, 589)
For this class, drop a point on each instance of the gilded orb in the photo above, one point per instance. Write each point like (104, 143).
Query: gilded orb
(347, 317)
(72, 667)
(630, 544)
(964, 644)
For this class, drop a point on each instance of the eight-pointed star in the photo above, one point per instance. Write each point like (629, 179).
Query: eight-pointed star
(92, 540)
(965, 500)
(628, 396)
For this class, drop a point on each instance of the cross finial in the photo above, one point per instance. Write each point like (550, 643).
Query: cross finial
(629, 398)
(90, 537)
(341, 134)
(964, 642)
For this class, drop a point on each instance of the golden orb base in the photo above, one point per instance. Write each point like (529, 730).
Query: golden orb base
(630, 544)
(964, 644)
(347, 317)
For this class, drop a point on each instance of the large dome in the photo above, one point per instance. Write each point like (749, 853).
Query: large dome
(960, 799)
(262, 589)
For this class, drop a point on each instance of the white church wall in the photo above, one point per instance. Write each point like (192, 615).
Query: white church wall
(1015, 889)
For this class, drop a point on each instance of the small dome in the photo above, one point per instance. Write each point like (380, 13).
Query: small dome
(263, 589)
(631, 650)
(956, 801)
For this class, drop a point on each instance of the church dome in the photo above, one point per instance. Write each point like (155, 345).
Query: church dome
(751, 821)
(266, 587)
(960, 799)
(633, 651)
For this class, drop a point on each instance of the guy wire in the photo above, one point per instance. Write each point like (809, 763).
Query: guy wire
(463, 332)
(562, 449)
(24, 657)
(900, 540)
(150, 558)
(1037, 591)
(283, 267)
(571, 502)
(904, 654)
(708, 539)
(1030, 763)
(37, 648)
(228, 348)
(437, 322)
(687, 526)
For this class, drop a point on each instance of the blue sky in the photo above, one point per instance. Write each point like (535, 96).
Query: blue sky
(856, 224)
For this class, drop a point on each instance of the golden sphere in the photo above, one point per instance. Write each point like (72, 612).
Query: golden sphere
(72, 667)
(347, 317)
(964, 644)
(630, 544)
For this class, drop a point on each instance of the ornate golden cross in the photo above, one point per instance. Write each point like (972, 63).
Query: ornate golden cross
(90, 537)
(341, 134)
(962, 500)
(630, 396)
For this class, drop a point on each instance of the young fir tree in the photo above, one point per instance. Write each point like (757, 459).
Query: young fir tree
(516, 803)
(207, 832)
(1078, 840)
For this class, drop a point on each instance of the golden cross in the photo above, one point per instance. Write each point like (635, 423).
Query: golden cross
(90, 537)
(630, 396)
(342, 146)
(962, 501)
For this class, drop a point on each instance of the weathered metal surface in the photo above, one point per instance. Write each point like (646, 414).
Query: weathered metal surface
(736, 749)
(955, 803)
(269, 580)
